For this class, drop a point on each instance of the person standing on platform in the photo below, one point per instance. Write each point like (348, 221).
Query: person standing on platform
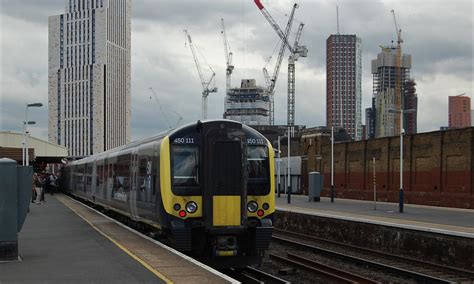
(52, 183)
(38, 188)
(33, 188)
(44, 182)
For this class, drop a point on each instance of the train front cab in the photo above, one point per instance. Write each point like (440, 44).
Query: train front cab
(222, 171)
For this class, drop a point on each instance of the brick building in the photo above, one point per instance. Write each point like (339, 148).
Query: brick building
(459, 111)
(438, 167)
(343, 83)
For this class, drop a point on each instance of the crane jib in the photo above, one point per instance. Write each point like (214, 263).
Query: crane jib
(259, 4)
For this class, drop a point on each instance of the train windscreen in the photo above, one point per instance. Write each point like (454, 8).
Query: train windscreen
(258, 182)
(185, 166)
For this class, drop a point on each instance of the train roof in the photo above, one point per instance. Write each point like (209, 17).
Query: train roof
(161, 135)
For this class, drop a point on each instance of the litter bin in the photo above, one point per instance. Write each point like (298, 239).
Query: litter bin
(315, 186)
(15, 197)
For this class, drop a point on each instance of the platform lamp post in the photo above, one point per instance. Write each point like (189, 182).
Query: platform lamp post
(402, 112)
(26, 159)
(332, 164)
(278, 167)
(288, 194)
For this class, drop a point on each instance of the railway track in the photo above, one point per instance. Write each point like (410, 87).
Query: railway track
(254, 275)
(421, 271)
(330, 274)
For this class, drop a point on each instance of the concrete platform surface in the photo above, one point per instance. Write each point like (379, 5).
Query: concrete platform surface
(64, 242)
(452, 221)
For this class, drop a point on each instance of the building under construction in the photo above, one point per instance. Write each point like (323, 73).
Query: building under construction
(249, 104)
(384, 70)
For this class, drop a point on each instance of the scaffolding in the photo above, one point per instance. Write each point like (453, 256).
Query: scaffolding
(249, 104)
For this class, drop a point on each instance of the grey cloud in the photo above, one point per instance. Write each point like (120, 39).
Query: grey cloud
(33, 10)
(438, 35)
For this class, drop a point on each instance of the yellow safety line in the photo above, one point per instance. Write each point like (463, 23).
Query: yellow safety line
(154, 271)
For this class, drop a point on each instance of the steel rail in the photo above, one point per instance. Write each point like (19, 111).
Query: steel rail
(327, 272)
(402, 259)
(389, 268)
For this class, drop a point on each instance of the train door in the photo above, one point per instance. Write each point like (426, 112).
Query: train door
(224, 178)
(133, 184)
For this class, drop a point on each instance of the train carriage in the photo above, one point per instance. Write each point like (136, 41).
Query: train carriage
(209, 186)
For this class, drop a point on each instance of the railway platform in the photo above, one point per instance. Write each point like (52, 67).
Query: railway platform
(436, 234)
(63, 241)
(443, 220)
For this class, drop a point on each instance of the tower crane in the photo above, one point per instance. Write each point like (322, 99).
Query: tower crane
(228, 58)
(180, 118)
(296, 51)
(271, 82)
(206, 89)
(398, 81)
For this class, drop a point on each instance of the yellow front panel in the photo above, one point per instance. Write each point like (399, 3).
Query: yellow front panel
(226, 211)
(270, 197)
(169, 199)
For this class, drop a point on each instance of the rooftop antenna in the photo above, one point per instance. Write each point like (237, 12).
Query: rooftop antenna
(337, 15)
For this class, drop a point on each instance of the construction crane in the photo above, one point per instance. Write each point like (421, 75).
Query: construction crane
(296, 51)
(180, 118)
(228, 59)
(398, 79)
(206, 90)
(274, 24)
(271, 82)
(385, 48)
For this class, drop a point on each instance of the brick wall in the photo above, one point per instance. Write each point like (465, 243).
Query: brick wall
(437, 167)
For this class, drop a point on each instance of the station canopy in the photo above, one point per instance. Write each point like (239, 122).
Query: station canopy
(11, 145)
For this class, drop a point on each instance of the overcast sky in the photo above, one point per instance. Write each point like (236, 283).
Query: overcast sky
(438, 35)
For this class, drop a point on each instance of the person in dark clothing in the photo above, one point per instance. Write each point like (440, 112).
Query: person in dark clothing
(47, 183)
(33, 193)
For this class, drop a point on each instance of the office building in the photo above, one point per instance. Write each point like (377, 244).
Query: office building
(459, 111)
(89, 76)
(343, 83)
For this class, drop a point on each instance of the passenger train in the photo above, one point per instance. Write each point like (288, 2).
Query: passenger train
(208, 186)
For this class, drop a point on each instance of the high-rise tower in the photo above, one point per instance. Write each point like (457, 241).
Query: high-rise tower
(343, 83)
(384, 70)
(89, 76)
(410, 105)
(459, 111)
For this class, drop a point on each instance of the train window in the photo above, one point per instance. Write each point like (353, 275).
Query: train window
(258, 170)
(185, 166)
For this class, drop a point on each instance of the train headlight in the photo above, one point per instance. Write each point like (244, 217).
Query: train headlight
(191, 206)
(252, 206)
